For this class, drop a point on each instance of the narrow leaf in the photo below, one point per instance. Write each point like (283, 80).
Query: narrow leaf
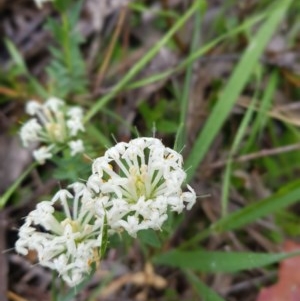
(5, 197)
(207, 261)
(285, 197)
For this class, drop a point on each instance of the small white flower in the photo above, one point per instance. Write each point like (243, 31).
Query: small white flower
(32, 107)
(53, 124)
(31, 132)
(142, 180)
(132, 225)
(54, 103)
(156, 220)
(42, 154)
(75, 126)
(75, 113)
(76, 147)
(68, 242)
(189, 197)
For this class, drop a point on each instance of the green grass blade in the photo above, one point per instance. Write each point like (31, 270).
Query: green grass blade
(234, 148)
(212, 262)
(285, 197)
(234, 87)
(202, 289)
(184, 101)
(194, 56)
(16, 56)
(19, 61)
(261, 118)
(94, 132)
(141, 63)
(238, 138)
(5, 197)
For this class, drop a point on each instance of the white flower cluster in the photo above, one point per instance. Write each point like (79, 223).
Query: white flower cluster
(133, 186)
(69, 244)
(53, 124)
(136, 183)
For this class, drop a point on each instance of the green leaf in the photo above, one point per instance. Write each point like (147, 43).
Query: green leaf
(150, 238)
(286, 196)
(208, 261)
(261, 117)
(241, 133)
(22, 68)
(5, 197)
(62, 5)
(67, 70)
(166, 126)
(70, 168)
(185, 96)
(16, 56)
(104, 239)
(202, 289)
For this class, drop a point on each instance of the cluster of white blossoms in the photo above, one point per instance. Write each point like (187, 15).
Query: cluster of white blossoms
(136, 183)
(53, 124)
(133, 187)
(69, 241)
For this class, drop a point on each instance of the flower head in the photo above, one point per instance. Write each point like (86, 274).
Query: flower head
(141, 180)
(68, 242)
(53, 124)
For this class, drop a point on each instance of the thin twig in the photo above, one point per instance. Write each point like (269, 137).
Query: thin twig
(249, 284)
(260, 154)
(14, 297)
(110, 48)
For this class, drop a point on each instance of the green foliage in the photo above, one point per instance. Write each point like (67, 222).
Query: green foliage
(19, 69)
(261, 118)
(234, 148)
(149, 237)
(66, 70)
(161, 115)
(62, 5)
(234, 87)
(202, 290)
(286, 196)
(101, 102)
(71, 168)
(8, 193)
(288, 222)
(185, 95)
